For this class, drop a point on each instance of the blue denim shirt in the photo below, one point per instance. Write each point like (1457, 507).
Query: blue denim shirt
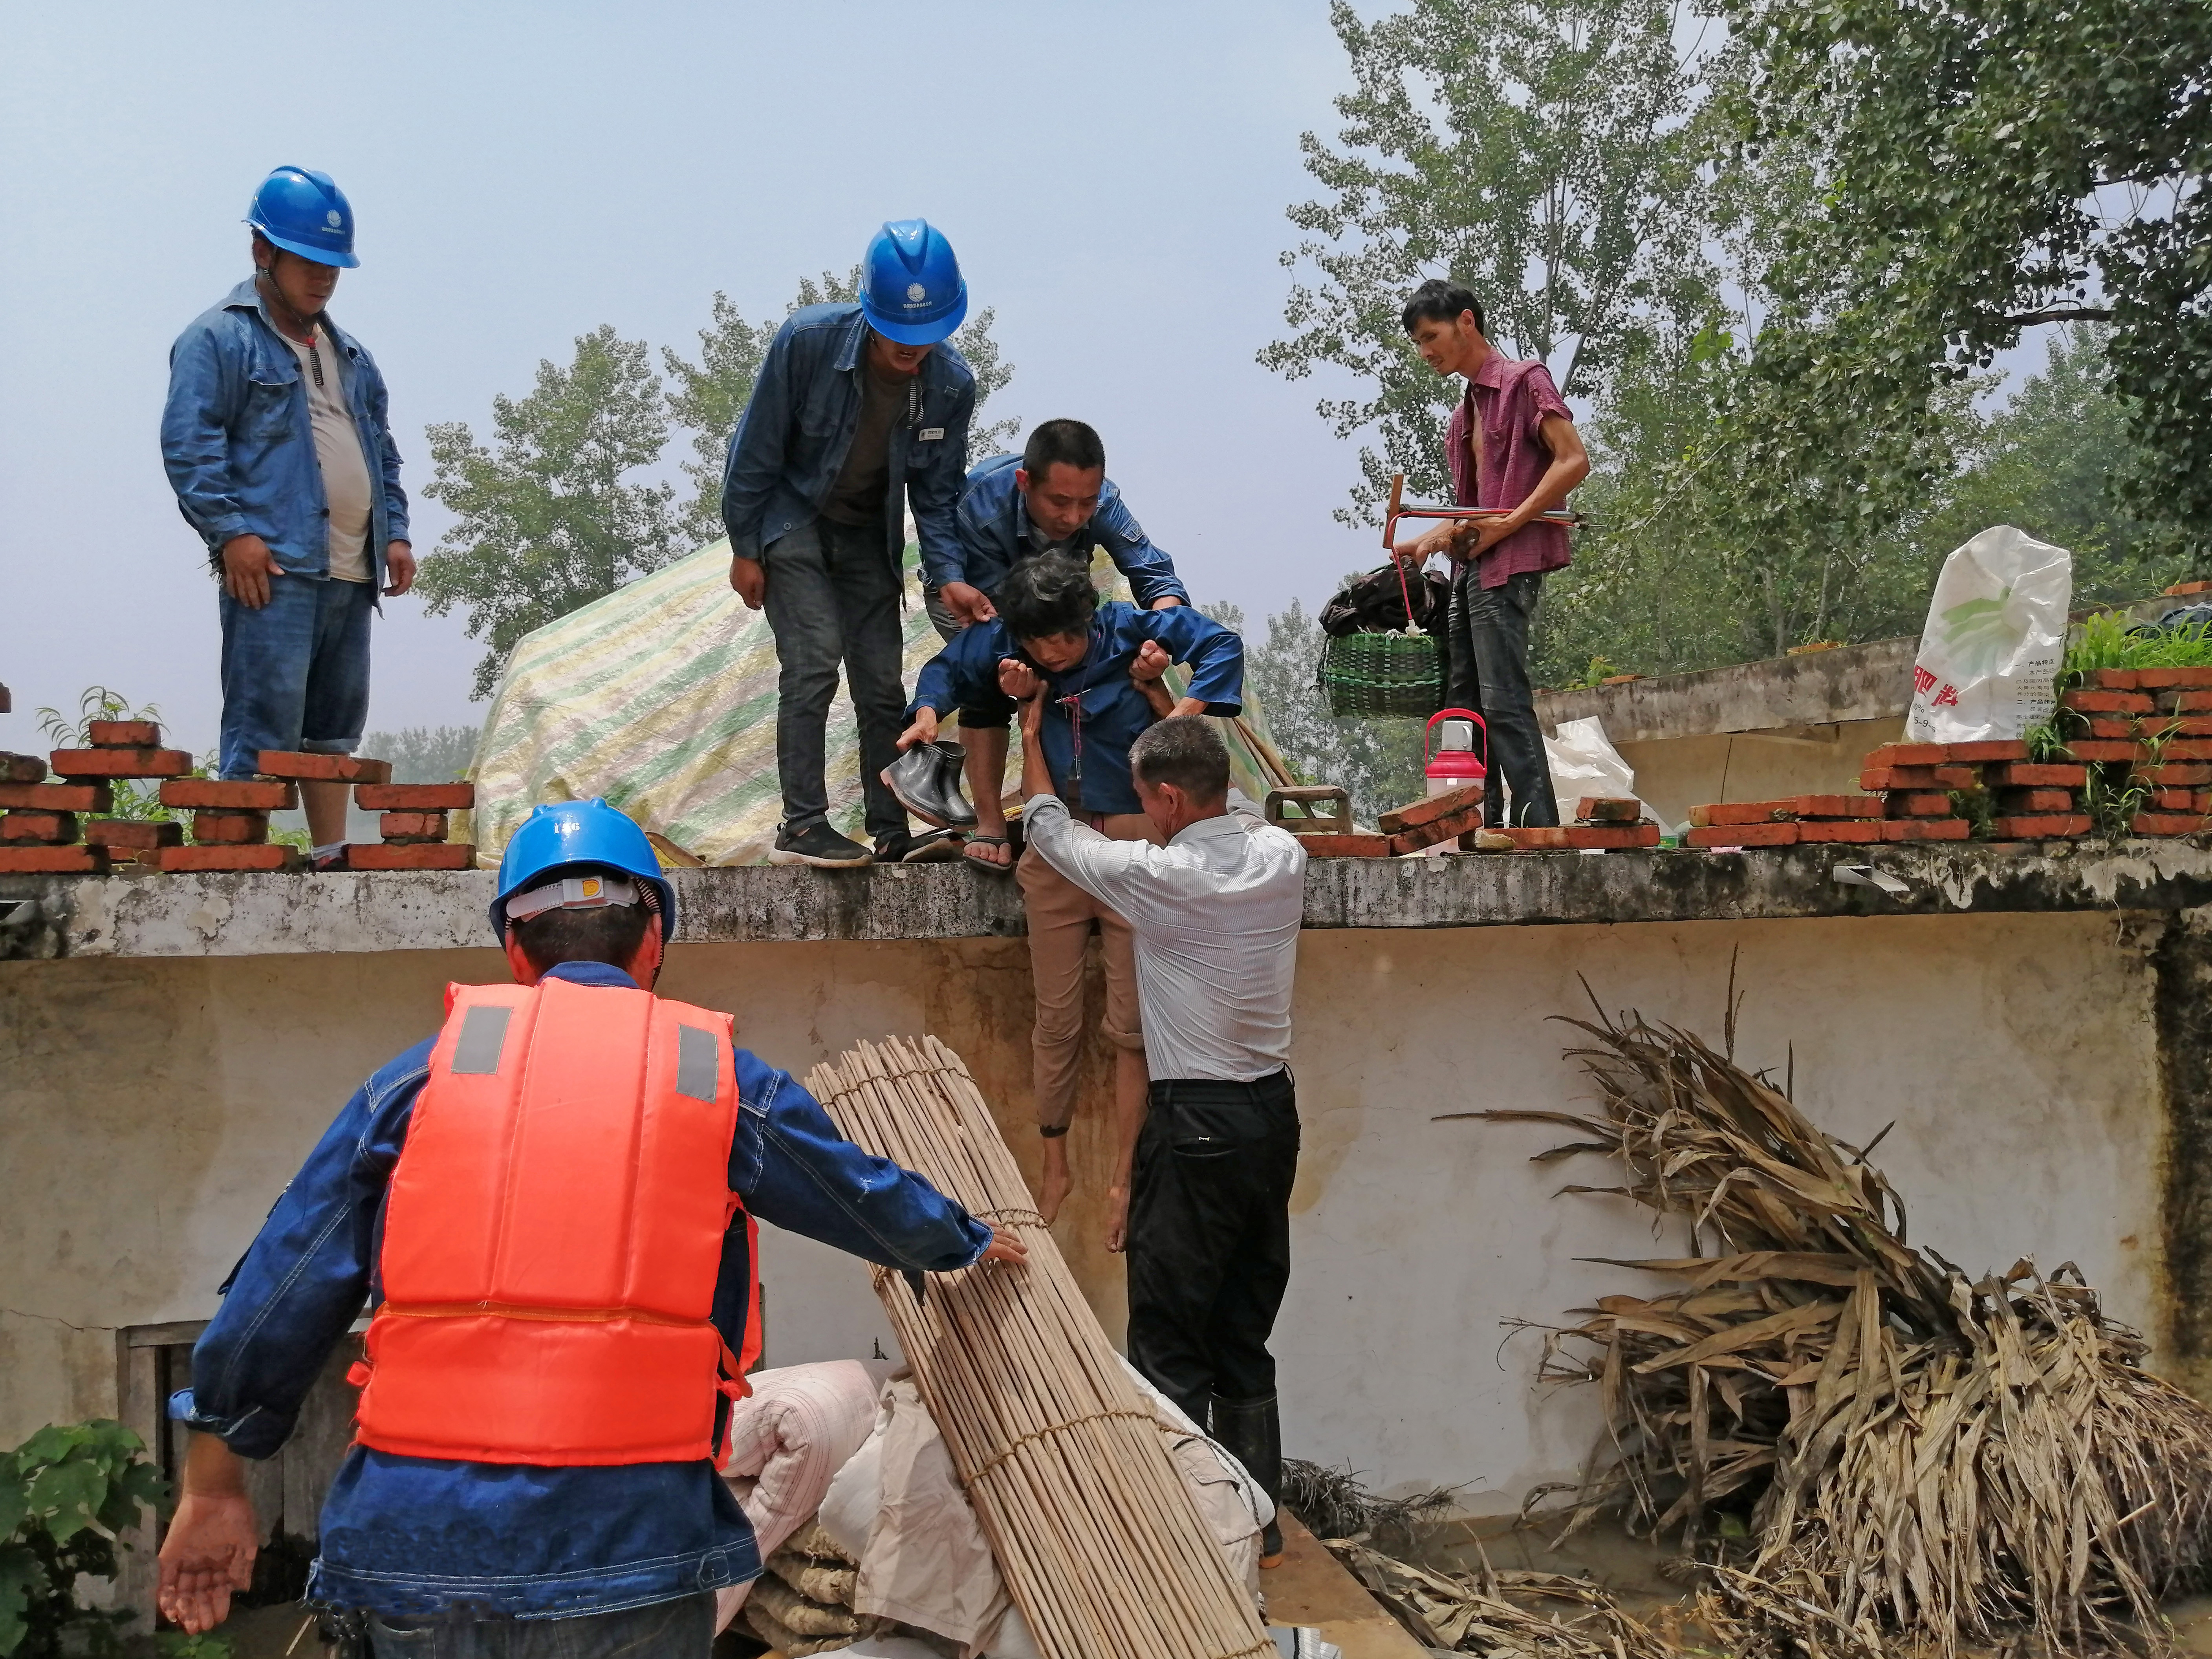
(791, 442)
(240, 453)
(420, 1536)
(1090, 761)
(993, 522)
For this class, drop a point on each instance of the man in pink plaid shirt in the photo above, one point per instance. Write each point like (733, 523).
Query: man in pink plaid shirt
(1512, 448)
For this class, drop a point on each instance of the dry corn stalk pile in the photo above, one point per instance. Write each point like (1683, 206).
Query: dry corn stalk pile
(1469, 1612)
(1099, 1541)
(1922, 1456)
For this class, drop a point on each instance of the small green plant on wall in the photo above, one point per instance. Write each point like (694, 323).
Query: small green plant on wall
(66, 1494)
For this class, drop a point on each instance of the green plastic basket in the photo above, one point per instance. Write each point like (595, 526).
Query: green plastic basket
(1385, 674)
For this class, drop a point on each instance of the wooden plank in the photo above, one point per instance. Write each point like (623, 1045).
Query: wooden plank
(1312, 1587)
(139, 1407)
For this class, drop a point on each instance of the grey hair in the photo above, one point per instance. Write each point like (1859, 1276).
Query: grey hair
(1185, 750)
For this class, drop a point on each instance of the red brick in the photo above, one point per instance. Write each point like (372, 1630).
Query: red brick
(2109, 702)
(1881, 780)
(412, 826)
(414, 796)
(2091, 751)
(2185, 749)
(1609, 809)
(56, 797)
(56, 828)
(1912, 805)
(2178, 701)
(2113, 731)
(22, 768)
(229, 795)
(1406, 818)
(461, 855)
(2030, 802)
(1838, 806)
(322, 768)
(1611, 837)
(132, 835)
(1412, 839)
(1360, 846)
(2050, 826)
(2166, 824)
(2182, 590)
(2174, 776)
(124, 734)
(1745, 835)
(53, 860)
(2198, 801)
(121, 762)
(2159, 679)
(1853, 831)
(2032, 775)
(2164, 728)
(1909, 754)
(229, 829)
(1928, 828)
(1739, 811)
(2115, 679)
(269, 855)
(1986, 749)
(1538, 838)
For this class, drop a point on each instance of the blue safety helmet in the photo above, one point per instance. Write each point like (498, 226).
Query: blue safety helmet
(304, 212)
(911, 287)
(572, 836)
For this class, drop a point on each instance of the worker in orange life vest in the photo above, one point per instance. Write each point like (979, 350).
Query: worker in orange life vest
(550, 1207)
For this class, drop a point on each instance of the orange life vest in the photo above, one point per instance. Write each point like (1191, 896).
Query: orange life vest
(553, 1234)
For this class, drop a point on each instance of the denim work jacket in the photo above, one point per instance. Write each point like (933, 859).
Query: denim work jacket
(994, 523)
(1093, 712)
(240, 453)
(791, 442)
(417, 1537)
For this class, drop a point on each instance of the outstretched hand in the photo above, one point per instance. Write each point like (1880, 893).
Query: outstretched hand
(207, 1556)
(1006, 1247)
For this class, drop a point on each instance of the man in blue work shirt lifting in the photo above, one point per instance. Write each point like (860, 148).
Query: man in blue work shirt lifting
(1053, 497)
(557, 1336)
(859, 411)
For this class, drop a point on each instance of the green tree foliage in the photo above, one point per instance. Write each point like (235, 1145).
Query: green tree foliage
(708, 396)
(424, 754)
(65, 1495)
(1539, 151)
(552, 519)
(1984, 168)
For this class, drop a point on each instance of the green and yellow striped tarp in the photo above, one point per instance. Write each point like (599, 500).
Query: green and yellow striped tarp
(661, 698)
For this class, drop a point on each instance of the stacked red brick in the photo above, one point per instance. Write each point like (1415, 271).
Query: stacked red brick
(2028, 800)
(1845, 820)
(413, 825)
(1602, 824)
(54, 827)
(2156, 723)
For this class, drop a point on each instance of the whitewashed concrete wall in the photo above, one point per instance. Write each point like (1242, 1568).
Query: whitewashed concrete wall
(150, 1110)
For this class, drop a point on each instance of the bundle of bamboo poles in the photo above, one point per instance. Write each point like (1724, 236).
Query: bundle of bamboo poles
(1100, 1543)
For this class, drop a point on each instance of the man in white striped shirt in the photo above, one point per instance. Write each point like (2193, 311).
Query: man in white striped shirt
(1203, 1183)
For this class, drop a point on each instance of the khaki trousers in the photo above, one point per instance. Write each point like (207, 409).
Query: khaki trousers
(1060, 915)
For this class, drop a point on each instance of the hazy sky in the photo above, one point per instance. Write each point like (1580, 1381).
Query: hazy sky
(1114, 178)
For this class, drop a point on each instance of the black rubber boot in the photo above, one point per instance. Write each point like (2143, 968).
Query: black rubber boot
(1254, 1435)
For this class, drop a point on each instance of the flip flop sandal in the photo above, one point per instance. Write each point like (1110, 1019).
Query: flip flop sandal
(990, 865)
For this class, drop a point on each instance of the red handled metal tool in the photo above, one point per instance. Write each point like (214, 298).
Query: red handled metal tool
(1557, 515)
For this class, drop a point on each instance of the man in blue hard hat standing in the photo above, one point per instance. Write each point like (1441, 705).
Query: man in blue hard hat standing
(859, 411)
(278, 445)
(533, 1468)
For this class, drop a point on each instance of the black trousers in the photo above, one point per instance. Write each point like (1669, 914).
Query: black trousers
(1209, 1241)
(1486, 657)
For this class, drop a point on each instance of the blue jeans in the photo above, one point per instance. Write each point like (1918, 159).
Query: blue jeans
(833, 598)
(295, 672)
(665, 1630)
(1488, 654)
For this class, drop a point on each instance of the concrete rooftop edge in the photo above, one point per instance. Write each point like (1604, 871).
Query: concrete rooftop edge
(277, 915)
